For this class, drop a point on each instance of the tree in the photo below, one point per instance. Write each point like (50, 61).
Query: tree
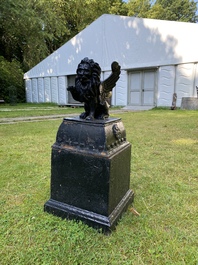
(27, 27)
(176, 10)
(84, 12)
(11, 75)
(118, 8)
(138, 8)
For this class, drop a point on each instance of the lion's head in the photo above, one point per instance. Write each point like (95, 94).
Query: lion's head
(87, 69)
(88, 78)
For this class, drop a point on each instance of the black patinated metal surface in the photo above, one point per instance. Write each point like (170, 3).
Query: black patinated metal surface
(90, 163)
(93, 92)
(90, 172)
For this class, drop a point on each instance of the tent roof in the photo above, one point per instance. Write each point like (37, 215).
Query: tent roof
(133, 42)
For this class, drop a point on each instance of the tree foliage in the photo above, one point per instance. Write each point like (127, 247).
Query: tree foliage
(11, 75)
(30, 30)
(28, 27)
(179, 10)
(176, 10)
(138, 8)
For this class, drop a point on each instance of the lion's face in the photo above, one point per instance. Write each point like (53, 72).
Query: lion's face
(88, 79)
(84, 73)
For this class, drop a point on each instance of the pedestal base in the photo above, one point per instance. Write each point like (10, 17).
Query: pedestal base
(189, 103)
(98, 221)
(90, 172)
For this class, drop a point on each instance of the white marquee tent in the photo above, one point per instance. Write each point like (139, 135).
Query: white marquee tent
(157, 58)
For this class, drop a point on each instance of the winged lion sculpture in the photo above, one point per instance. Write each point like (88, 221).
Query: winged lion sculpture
(93, 92)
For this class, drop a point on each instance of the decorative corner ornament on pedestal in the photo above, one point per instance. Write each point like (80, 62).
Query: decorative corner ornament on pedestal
(90, 162)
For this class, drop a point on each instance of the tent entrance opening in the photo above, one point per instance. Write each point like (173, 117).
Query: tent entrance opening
(142, 88)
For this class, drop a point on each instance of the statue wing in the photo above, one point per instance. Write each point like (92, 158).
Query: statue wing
(108, 84)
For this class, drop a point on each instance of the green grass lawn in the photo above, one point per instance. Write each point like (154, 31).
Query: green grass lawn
(164, 177)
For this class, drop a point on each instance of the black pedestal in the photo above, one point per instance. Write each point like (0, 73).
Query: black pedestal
(90, 172)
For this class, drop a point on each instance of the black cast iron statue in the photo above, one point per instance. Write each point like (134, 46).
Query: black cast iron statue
(93, 92)
(90, 161)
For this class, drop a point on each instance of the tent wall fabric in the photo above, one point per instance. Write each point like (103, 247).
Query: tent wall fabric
(157, 58)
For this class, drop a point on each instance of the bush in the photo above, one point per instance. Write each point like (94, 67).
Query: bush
(11, 81)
